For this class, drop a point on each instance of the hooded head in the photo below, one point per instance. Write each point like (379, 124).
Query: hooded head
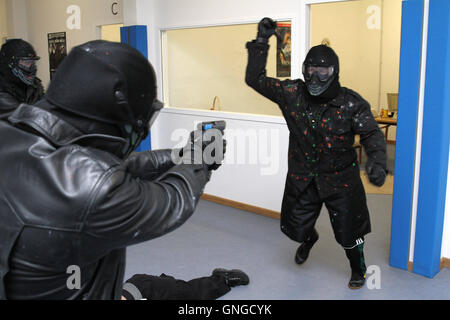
(18, 62)
(108, 83)
(321, 72)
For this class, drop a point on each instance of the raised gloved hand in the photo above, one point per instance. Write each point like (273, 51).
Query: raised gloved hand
(376, 173)
(266, 29)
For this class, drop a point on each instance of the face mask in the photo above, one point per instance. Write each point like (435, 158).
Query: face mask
(136, 137)
(318, 78)
(25, 70)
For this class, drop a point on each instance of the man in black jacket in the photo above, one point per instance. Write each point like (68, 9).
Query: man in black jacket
(18, 80)
(322, 118)
(72, 199)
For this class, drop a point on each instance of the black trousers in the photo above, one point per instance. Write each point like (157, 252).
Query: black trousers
(348, 213)
(167, 287)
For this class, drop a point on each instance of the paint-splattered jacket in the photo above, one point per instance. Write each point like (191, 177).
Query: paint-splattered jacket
(321, 135)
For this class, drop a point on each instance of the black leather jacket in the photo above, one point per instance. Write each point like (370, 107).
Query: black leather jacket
(65, 202)
(12, 96)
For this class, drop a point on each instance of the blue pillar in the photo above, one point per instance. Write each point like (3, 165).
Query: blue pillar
(410, 62)
(136, 36)
(435, 146)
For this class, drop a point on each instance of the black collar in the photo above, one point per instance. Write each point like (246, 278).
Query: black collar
(59, 132)
(339, 100)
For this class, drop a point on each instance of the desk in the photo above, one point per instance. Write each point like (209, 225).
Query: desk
(387, 122)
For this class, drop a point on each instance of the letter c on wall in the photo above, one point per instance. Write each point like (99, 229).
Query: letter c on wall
(114, 9)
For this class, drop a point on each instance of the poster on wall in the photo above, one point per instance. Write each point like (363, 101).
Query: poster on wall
(57, 50)
(284, 49)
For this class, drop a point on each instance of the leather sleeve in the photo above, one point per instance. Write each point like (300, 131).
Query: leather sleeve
(7, 104)
(128, 211)
(149, 165)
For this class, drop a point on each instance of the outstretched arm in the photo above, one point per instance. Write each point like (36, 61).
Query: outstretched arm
(149, 165)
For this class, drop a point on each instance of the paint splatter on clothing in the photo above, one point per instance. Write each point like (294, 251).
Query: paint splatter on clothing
(321, 134)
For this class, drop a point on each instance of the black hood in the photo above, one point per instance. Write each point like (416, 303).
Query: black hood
(322, 56)
(110, 83)
(10, 54)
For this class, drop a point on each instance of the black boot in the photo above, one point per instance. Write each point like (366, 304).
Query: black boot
(356, 281)
(303, 251)
(232, 277)
(358, 266)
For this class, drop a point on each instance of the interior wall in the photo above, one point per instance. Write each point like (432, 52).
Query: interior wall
(172, 14)
(3, 22)
(358, 48)
(390, 49)
(390, 53)
(369, 57)
(256, 157)
(48, 16)
(16, 12)
(202, 63)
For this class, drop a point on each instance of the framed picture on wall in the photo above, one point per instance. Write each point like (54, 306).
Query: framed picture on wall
(57, 50)
(284, 49)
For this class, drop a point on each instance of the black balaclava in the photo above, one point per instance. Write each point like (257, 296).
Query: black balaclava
(109, 84)
(18, 62)
(321, 73)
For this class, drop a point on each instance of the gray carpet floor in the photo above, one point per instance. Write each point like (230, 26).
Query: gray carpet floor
(219, 236)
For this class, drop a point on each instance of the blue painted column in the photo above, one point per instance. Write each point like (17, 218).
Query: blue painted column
(435, 146)
(410, 62)
(136, 36)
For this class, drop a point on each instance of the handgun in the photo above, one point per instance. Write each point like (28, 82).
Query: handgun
(219, 125)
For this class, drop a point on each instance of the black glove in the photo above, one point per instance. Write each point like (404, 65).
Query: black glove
(217, 165)
(376, 173)
(194, 151)
(266, 29)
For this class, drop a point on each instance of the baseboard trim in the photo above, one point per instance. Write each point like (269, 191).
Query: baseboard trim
(410, 266)
(241, 206)
(445, 263)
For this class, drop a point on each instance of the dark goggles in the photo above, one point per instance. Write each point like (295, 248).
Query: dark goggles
(27, 65)
(136, 137)
(322, 73)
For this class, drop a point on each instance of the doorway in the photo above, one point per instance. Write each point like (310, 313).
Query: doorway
(367, 37)
(111, 32)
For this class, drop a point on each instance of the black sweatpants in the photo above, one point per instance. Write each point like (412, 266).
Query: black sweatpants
(167, 287)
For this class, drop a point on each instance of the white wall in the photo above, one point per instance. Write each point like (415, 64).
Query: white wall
(48, 16)
(241, 183)
(3, 22)
(255, 165)
(129, 12)
(16, 11)
(169, 14)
